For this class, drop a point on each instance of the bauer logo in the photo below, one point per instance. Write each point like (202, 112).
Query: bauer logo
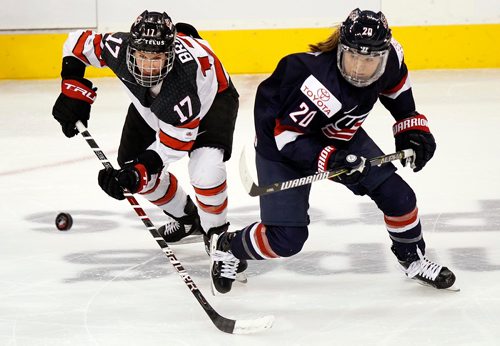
(320, 96)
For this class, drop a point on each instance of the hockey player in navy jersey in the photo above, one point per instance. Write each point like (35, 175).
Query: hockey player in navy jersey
(182, 102)
(308, 118)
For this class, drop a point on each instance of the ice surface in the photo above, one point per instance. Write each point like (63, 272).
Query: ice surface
(106, 282)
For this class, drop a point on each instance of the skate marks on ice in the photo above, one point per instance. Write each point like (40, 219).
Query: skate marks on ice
(486, 219)
(91, 221)
(103, 265)
(365, 258)
(353, 258)
(84, 221)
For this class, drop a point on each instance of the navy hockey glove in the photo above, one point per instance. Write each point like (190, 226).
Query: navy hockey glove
(331, 159)
(413, 133)
(73, 104)
(132, 177)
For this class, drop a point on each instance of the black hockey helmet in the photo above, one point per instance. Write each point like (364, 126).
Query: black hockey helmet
(366, 31)
(367, 36)
(151, 49)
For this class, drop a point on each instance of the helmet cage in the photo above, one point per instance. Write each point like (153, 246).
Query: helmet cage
(364, 44)
(151, 49)
(149, 72)
(359, 68)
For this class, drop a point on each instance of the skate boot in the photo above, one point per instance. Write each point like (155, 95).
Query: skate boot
(181, 227)
(418, 267)
(224, 267)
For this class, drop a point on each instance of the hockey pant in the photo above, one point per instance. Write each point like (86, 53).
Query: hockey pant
(394, 197)
(207, 170)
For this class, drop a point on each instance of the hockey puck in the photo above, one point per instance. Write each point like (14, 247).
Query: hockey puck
(64, 221)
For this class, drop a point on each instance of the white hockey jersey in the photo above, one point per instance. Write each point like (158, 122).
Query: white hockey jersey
(181, 101)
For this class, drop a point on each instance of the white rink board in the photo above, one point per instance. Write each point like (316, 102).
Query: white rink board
(117, 15)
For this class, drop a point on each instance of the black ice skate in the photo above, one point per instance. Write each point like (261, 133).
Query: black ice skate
(181, 227)
(224, 267)
(418, 267)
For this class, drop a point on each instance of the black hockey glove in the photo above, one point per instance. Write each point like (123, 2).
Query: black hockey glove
(134, 175)
(331, 159)
(73, 104)
(413, 133)
(131, 177)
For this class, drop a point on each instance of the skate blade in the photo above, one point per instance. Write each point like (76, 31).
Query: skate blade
(452, 288)
(190, 239)
(215, 293)
(241, 278)
(213, 248)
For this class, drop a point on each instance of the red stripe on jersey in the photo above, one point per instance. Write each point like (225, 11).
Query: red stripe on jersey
(401, 221)
(174, 143)
(205, 65)
(397, 87)
(98, 50)
(343, 134)
(179, 35)
(212, 209)
(210, 192)
(170, 193)
(219, 70)
(191, 125)
(153, 189)
(263, 243)
(278, 128)
(328, 131)
(80, 45)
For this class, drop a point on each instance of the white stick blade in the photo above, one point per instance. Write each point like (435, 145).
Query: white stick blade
(246, 178)
(253, 326)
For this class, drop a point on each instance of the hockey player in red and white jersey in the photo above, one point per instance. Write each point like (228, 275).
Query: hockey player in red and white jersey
(183, 102)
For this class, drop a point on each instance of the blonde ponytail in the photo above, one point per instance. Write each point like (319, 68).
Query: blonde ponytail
(327, 45)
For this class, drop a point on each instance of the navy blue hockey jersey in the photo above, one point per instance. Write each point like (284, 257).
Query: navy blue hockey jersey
(306, 105)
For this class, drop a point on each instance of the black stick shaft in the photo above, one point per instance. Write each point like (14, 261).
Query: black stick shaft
(222, 323)
(256, 190)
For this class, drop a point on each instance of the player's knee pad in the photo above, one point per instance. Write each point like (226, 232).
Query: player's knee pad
(286, 241)
(394, 196)
(207, 168)
(207, 171)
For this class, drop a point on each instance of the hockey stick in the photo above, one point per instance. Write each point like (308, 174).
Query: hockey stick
(256, 190)
(222, 323)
